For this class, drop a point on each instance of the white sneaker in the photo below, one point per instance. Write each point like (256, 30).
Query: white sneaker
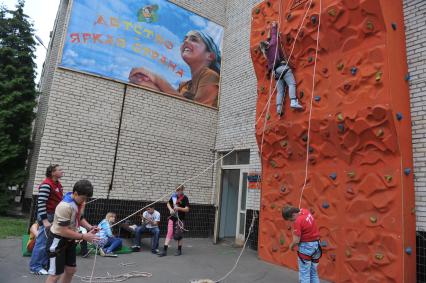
(295, 104)
(40, 272)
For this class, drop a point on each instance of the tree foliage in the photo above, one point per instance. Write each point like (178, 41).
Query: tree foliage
(17, 96)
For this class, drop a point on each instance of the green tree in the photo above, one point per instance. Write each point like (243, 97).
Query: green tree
(17, 97)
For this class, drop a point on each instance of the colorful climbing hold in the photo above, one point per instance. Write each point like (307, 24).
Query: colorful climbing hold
(399, 116)
(323, 243)
(378, 76)
(407, 77)
(284, 143)
(332, 12)
(262, 89)
(311, 149)
(333, 176)
(268, 116)
(341, 128)
(305, 138)
(273, 164)
(340, 117)
(373, 219)
(268, 3)
(348, 253)
(393, 26)
(262, 32)
(407, 171)
(314, 20)
(354, 70)
(351, 174)
(379, 256)
(310, 59)
(379, 133)
(317, 98)
(340, 66)
(289, 16)
(325, 205)
(388, 178)
(257, 11)
(408, 250)
(301, 94)
(283, 189)
(369, 25)
(282, 240)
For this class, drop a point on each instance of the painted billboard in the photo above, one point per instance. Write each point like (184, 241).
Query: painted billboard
(150, 43)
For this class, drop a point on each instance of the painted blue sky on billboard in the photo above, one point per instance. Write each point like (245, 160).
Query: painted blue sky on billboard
(111, 37)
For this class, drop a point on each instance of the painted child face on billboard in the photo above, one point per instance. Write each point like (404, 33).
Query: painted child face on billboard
(153, 44)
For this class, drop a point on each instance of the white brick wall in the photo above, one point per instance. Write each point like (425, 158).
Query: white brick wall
(415, 31)
(78, 121)
(237, 112)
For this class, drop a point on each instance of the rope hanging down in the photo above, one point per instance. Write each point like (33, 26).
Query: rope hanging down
(310, 107)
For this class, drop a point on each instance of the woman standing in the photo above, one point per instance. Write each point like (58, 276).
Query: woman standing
(178, 206)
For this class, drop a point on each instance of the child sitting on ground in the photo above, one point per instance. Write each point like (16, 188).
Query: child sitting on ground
(108, 243)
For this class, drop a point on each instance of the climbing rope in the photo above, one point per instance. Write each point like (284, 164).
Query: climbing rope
(310, 107)
(114, 278)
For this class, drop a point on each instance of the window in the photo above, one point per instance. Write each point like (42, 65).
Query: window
(237, 158)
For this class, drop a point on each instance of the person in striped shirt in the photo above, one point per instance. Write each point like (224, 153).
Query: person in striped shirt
(50, 194)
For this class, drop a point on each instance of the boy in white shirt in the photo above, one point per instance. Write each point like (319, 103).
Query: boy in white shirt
(150, 220)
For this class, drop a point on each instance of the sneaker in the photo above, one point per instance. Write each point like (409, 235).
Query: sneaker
(178, 253)
(40, 272)
(102, 252)
(163, 253)
(156, 252)
(295, 104)
(110, 254)
(136, 248)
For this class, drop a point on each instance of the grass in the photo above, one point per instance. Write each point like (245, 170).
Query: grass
(12, 227)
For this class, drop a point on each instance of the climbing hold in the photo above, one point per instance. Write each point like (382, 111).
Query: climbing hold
(349, 190)
(323, 243)
(274, 249)
(310, 59)
(283, 143)
(379, 133)
(268, 116)
(388, 178)
(305, 138)
(347, 87)
(378, 76)
(268, 3)
(325, 205)
(399, 116)
(340, 66)
(407, 77)
(373, 219)
(379, 256)
(333, 176)
(288, 227)
(311, 149)
(408, 250)
(351, 174)
(283, 189)
(301, 94)
(369, 25)
(348, 253)
(262, 33)
(354, 70)
(340, 117)
(276, 175)
(273, 164)
(333, 257)
(393, 26)
(314, 19)
(289, 16)
(317, 98)
(257, 11)
(262, 89)
(325, 70)
(341, 127)
(407, 171)
(282, 240)
(332, 12)
(273, 205)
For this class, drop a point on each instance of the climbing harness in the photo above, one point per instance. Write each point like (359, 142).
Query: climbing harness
(313, 257)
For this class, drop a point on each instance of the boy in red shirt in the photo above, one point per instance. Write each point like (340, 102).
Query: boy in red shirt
(306, 236)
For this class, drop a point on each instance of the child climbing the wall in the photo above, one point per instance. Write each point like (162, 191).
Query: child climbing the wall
(278, 64)
(306, 236)
(108, 243)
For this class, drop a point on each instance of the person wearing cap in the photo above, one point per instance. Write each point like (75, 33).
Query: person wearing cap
(202, 55)
(306, 237)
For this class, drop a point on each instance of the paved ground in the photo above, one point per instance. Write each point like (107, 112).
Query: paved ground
(201, 259)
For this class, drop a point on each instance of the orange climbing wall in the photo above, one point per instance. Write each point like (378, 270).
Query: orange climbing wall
(360, 181)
